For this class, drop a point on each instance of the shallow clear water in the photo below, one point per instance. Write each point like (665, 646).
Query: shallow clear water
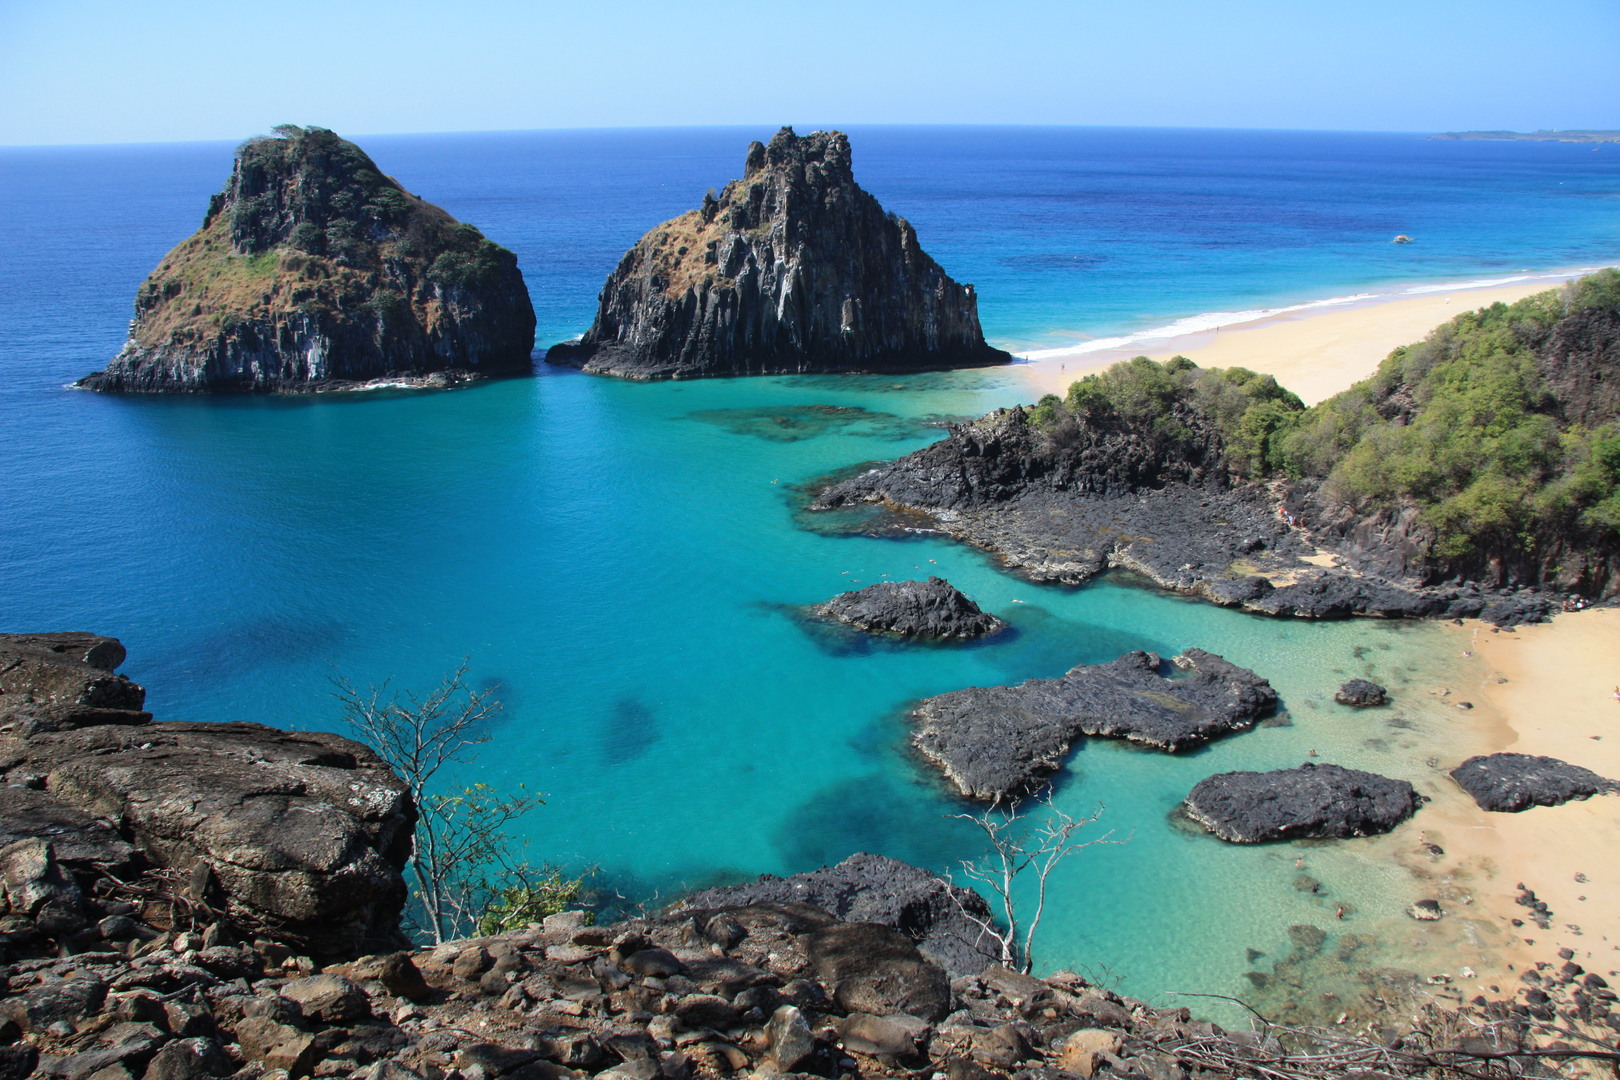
(624, 561)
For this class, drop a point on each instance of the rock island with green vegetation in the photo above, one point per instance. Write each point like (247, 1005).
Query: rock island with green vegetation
(313, 270)
(1486, 457)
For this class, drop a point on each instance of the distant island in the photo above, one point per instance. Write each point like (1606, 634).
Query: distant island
(793, 269)
(314, 271)
(1534, 136)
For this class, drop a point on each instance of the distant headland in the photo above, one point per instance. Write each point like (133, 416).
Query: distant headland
(1533, 136)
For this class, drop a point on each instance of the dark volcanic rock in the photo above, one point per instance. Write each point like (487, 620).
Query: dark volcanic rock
(1360, 694)
(303, 832)
(878, 889)
(793, 269)
(876, 969)
(1110, 495)
(1001, 740)
(1310, 802)
(928, 609)
(1514, 782)
(312, 270)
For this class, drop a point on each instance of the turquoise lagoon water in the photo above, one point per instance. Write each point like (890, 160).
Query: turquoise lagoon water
(625, 562)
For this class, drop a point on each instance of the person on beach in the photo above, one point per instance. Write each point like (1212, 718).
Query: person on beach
(1617, 693)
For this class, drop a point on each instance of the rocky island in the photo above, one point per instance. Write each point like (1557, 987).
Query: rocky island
(1475, 464)
(314, 271)
(793, 268)
(999, 741)
(1317, 802)
(932, 609)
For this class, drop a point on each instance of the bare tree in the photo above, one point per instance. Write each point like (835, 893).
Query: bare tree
(462, 858)
(1017, 846)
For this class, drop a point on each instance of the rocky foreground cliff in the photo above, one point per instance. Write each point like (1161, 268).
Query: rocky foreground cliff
(794, 268)
(313, 270)
(181, 901)
(1477, 464)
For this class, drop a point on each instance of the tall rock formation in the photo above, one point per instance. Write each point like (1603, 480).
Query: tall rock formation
(792, 269)
(312, 270)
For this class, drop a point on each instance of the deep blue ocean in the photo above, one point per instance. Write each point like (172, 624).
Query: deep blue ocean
(624, 561)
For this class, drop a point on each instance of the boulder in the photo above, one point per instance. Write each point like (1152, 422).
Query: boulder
(793, 268)
(1003, 740)
(1512, 782)
(876, 969)
(1310, 802)
(912, 609)
(1360, 694)
(307, 833)
(932, 913)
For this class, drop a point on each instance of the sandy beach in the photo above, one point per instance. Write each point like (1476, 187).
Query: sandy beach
(1550, 689)
(1315, 352)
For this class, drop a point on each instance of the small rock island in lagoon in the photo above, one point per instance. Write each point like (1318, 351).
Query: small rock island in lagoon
(313, 271)
(793, 268)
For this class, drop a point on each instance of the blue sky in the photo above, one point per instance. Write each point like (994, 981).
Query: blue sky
(87, 71)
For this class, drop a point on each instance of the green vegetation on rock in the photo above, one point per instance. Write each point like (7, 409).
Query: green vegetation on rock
(1467, 426)
(1247, 409)
(311, 265)
(1502, 428)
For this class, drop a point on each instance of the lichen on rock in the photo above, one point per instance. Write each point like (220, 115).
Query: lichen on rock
(793, 268)
(313, 270)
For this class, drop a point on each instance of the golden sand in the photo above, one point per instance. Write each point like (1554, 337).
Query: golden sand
(1315, 353)
(1550, 688)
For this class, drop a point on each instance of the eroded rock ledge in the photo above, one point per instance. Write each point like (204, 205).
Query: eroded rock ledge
(875, 888)
(301, 836)
(1310, 802)
(912, 609)
(1111, 497)
(1000, 741)
(793, 268)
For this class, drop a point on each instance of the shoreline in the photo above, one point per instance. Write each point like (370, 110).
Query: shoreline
(1541, 689)
(1547, 691)
(1315, 349)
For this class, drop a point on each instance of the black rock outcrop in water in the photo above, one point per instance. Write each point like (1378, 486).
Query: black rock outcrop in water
(300, 832)
(1513, 782)
(925, 609)
(312, 271)
(998, 741)
(1318, 802)
(792, 269)
(1361, 694)
(877, 889)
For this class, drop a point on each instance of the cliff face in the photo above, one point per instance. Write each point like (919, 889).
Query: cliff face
(313, 269)
(302, 835)
(793, 269)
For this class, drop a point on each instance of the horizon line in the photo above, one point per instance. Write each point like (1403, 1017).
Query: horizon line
(739, 126)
